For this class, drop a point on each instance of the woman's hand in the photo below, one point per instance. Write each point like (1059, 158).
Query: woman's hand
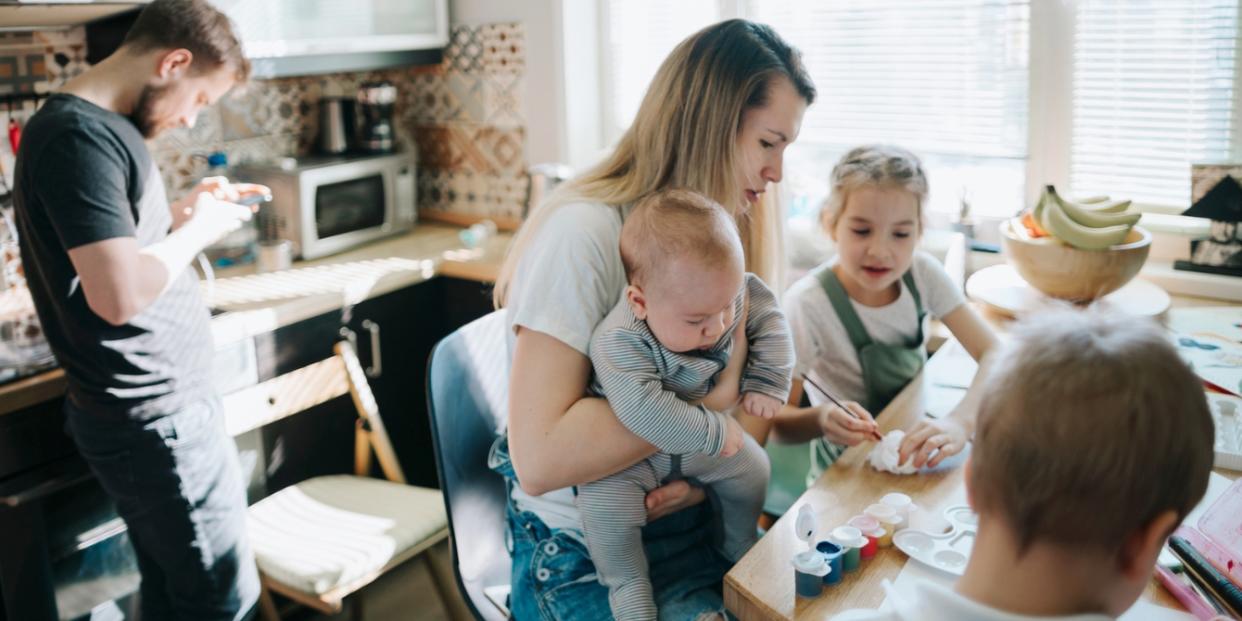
(840, 427)
(946, 437)
(669, 499)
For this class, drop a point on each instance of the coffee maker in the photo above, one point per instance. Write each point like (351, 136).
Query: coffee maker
(375, 101)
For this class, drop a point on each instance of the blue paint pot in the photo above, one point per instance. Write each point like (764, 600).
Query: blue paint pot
(835, 557)
(810, 571)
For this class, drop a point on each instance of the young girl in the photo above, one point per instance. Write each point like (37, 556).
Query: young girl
(858, 319)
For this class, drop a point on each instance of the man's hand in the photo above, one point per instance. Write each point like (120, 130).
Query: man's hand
(217, 187)
(213, 218)
(761, 405)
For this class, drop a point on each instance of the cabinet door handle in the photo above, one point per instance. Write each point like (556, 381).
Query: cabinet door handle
(377, 365)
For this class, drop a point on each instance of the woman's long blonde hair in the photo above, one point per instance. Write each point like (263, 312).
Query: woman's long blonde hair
(685, 136)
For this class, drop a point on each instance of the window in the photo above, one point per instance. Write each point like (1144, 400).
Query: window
(999, 97)
(1153, 91)
(639, 36)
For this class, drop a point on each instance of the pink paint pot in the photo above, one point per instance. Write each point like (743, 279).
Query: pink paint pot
(870, 528)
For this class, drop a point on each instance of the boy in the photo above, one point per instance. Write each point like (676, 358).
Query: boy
(663, 346)
(1094, 441)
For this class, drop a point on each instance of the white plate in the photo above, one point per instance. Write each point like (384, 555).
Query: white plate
(946, 551)
(1003, 290)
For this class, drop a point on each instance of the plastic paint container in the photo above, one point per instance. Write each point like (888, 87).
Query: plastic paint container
(870, 528)
(836, 560)
(810, 572)
(889, 521)
(851, 541)
(902, 503)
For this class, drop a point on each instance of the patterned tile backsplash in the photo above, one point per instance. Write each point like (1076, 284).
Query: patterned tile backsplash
(463, 117)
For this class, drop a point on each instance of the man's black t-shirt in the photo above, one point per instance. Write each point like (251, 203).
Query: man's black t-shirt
(84, 175)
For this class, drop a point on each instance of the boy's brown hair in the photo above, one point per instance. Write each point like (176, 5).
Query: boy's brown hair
(677, 224)
(194, 25)
(1090, 426)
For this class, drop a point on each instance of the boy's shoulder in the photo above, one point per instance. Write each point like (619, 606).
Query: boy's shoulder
(927, 601)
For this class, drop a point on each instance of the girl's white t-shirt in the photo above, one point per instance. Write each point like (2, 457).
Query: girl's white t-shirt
(823, 347)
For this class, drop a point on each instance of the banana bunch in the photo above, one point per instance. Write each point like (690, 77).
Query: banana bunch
(1090, 224)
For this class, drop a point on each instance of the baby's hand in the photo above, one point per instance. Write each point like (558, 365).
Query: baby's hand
(734, 437)
(761, 405)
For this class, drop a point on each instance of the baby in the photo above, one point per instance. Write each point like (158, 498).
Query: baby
(658, 358)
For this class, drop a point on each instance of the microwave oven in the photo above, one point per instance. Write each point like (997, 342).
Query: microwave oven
(326, 205)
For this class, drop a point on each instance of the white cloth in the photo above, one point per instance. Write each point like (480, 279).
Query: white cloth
(823, 347)
(569, 279)
(932, 602)
(885, 454)
(330, 531)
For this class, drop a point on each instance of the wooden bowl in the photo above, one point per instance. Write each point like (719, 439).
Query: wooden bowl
(1069, 273)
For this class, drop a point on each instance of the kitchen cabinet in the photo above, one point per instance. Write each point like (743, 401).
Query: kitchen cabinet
(47, 495)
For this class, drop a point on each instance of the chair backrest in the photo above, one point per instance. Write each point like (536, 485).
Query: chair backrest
(467, 398)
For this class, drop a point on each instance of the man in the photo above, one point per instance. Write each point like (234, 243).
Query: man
(121, 307)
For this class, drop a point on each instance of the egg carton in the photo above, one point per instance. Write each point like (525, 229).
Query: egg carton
(1227, 414)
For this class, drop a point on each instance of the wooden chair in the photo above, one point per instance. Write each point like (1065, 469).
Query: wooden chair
(321, 540)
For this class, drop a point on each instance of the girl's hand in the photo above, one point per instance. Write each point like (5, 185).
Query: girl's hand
(671, 498)
(947, 436)
(841, 427)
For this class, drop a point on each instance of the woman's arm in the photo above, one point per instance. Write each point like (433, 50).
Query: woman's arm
(951, 433)
(558, 438)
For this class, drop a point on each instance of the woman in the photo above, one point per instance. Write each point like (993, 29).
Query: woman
(716, 119)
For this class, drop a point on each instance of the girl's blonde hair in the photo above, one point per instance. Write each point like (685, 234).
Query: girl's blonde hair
(684, 136)
(874, 166)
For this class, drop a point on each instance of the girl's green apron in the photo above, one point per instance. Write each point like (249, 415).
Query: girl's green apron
(886, 369)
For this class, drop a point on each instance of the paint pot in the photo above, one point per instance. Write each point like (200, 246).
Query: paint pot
(836, 560)
(810, 571)
(851, 541)
(902, 503)
(870, 528)
(889, 521)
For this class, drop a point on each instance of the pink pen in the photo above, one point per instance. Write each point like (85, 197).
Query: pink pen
(1184, 594)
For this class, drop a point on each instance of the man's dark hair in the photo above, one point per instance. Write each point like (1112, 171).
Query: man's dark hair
(194, 25)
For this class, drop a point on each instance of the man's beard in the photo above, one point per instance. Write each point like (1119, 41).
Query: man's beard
(143, 116)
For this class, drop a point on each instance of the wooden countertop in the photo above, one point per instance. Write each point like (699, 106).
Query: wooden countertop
(259, 303)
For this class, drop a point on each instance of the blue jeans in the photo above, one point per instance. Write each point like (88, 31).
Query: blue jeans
(178, 486)
(554, 579)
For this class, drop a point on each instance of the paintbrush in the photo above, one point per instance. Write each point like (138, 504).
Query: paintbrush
(875, 434)
(1173, 575)
(1216, 583)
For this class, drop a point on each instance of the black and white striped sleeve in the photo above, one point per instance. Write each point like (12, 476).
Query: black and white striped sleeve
(625, 368)
(769, 366)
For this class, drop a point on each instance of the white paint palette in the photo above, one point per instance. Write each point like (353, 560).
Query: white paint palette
(947, 551)
(1227, 414)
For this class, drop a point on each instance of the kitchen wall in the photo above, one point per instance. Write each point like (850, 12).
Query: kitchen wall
(463, 117)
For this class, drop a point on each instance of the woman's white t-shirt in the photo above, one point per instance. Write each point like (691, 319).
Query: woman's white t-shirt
(567, 281)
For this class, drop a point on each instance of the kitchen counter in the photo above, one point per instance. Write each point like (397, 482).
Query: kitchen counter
(254, 304)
